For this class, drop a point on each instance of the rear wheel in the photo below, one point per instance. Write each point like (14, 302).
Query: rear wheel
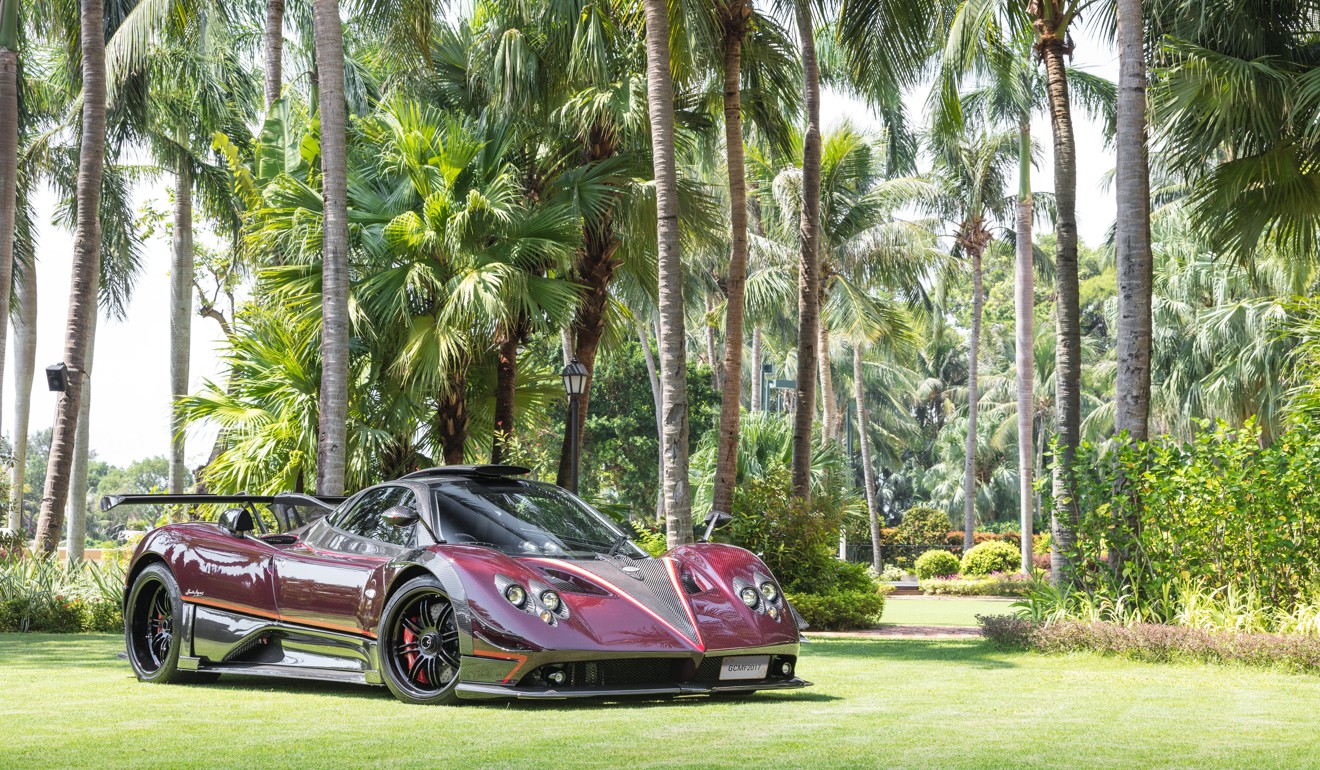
(419, 644)
(151, 628)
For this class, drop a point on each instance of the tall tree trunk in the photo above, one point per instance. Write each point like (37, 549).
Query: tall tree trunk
(1024, 294)
(8, 161)
(673, 337)
(75, 530)
(25, 358)
(1068, 343)
(973, 405)
(274, 50)
(452, 421)
(809, 267)
(595, 272)
(712, 346)
(333, 435)
(181, 288)
(86, 275)
(726, 453)
(868, 473)
(829, 407)
(644, 337)
(758, 376)
(506, 389)
(1132, 188)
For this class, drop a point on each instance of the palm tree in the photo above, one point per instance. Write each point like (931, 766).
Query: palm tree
(25, 353)
(273, 51)
(809, 259)
(332, 435)
(1132, 227)
(1052, 20)
(972, 173)
(673, 338)
(86, 274)
(8, 159)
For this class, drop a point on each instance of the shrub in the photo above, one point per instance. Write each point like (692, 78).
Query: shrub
(997, 584)
(892, 574)
(39, 593)
(923, 525)
(993, 556)
(936, 563)
(840, 611)
(796, 540)
(1156, 643)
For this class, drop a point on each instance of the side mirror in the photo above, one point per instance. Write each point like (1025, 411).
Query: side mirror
(715, 520)
(399, 516)
(236, 521)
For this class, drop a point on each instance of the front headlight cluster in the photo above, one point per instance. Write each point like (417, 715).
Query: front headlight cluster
(761, 595)
(547, 606)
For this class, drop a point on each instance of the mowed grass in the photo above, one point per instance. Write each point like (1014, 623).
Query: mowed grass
(67, 701)
(931, 611)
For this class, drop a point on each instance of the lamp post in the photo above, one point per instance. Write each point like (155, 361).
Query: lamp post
(575, 384)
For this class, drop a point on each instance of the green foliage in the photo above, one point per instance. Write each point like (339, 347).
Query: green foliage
(923, 525)
(936, 563)
(39, 593)
(650, 539)
(994, 585)
(1221, 511)
(796, 540)
(891, 574)
(991, 556)
(840, 610)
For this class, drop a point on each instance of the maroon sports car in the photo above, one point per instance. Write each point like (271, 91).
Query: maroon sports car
(451, 583)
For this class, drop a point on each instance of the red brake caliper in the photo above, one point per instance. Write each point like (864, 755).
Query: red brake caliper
(408, 638)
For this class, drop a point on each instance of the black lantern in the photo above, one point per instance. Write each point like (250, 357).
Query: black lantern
(575, 384)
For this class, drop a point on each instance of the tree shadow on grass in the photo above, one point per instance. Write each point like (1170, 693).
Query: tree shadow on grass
(975, 653)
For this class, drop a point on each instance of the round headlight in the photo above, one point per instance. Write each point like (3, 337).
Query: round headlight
(516, 595)
(749, 596)
(550, 599)
(769, 591)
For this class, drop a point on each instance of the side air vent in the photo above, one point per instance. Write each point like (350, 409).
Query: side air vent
(690, 584)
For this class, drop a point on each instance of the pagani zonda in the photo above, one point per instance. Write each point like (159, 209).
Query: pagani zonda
(454, 582)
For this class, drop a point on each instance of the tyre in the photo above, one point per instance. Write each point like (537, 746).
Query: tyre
(418, 640)
(151, 623)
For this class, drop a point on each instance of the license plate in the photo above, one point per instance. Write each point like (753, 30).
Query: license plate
(745, 667)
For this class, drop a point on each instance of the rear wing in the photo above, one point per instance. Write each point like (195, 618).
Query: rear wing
(286, 506)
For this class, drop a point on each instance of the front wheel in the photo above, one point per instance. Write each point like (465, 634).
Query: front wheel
(418, 640)
(151, 628)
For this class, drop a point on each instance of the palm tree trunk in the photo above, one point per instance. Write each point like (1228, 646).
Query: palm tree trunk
(829, 408)
(452, 421)
(333, 439)
(8, 161)
(1132, 189)
(181, 281)
(75, 531)
(86, 275)
(726, 453)
(25, 358)
(868, 473)
(645, 338)
(506, 389)
(973, 405)
(758, 376)
(274, 50)
(712, 346)
(809, 267)
(1068, 345)
(673, 337)
(1024, 292)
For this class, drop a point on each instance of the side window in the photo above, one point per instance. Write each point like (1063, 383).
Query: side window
(364, 519)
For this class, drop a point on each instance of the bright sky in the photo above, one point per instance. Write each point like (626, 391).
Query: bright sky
(130, 373)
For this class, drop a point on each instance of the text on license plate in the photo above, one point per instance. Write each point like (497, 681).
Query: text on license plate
(745, 667)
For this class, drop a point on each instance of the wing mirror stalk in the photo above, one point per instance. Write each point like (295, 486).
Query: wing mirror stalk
(403, 516)
(715, 520)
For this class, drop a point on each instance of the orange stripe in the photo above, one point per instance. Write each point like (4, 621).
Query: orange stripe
(592, 576)
(223, 605)
(522, 660)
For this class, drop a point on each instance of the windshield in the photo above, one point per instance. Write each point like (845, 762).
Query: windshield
(523, 518)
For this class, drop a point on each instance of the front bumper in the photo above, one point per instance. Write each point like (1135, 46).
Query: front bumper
(477, 690)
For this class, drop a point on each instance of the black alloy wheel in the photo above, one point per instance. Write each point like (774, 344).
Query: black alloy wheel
(419, 644)
(151, 628)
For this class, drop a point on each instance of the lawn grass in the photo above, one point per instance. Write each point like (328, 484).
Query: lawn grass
(67, 701)
(926, 611)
